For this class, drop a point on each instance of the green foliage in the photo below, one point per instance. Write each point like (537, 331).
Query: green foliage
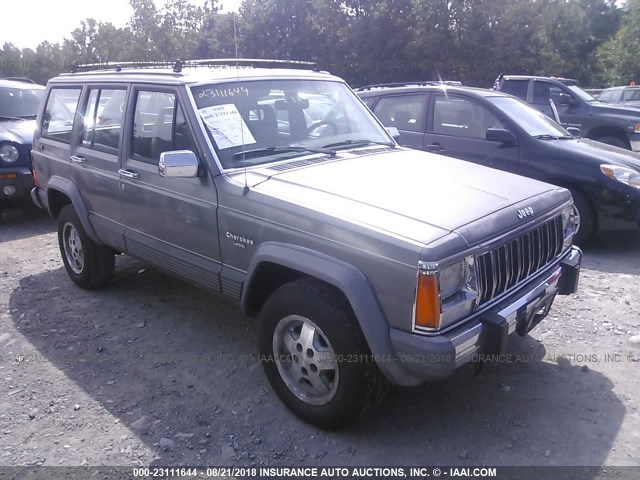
(367, 41)
(619, 57)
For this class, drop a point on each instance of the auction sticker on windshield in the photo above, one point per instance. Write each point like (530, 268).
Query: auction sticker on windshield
(227, 126)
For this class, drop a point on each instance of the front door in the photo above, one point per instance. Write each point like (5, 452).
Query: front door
(170, 221)
(457, 127)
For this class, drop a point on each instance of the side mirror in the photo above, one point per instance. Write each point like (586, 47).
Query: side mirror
(574, 131)
(393, 131)
(566, 100)
(502, 136)
(178, 163)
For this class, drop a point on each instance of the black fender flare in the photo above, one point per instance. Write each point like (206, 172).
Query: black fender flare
(352, 283)
(70, 189)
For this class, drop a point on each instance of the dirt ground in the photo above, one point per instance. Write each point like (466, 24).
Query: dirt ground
(150, 371)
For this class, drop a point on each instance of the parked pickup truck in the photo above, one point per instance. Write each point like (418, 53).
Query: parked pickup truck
(272, 185)
(613, 124)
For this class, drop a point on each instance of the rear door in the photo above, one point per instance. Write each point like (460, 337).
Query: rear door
(406, 112)
(457, 127)
(95, 159)
(170, 221)
(52, 145)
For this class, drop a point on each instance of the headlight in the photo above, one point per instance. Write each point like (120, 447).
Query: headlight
(570, 224)
(9, 153)
(624, 175)
(441, 291)
(454, 278)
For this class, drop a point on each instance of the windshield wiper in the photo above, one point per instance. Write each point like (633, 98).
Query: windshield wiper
(546, 136)
(8, 117)
(269, 150)
(358, 143)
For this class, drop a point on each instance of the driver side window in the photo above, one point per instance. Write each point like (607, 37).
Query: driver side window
(159, 126)
(460, 117)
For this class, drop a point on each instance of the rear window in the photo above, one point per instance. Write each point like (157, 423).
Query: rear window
(57, 121)
(19, 103)
(517, 88)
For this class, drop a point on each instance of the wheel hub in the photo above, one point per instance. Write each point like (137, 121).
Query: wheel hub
(305, 360)
(73, 248)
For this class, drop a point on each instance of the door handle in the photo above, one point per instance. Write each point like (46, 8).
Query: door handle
(78, 159)
(128, 173)
(434, 147)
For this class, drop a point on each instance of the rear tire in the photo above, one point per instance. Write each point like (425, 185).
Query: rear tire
(587, 219)
(89, 265)
(316, 357)
(615, 141)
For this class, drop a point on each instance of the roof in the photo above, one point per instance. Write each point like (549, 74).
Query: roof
(473, 91)
(196, 71)
(20, 85)
(566, 81)
(623, 87)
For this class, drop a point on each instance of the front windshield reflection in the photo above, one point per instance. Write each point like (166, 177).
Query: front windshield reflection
(533, 121)
(279, 119)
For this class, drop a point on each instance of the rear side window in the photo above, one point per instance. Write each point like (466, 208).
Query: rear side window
(159, 126)
(102, 127)
(405, 112)
(517, 88)
(57, 121)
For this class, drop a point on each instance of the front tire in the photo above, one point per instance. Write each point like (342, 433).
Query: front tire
(89, 265)
(586, 218)
(315, 355)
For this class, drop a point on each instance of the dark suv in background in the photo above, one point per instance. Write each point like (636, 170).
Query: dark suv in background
(615, 125)
(500, 131)
(19, 102)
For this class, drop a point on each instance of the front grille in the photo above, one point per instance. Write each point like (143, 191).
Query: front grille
(507, 265)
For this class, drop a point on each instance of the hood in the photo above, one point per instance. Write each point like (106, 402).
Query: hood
(17, 131)
(416, 195)
(618, 110)
(597, 153)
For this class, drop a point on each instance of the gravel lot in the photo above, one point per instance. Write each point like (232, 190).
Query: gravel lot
(150, 371)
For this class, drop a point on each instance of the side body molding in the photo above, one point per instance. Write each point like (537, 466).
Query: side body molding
(352, 283)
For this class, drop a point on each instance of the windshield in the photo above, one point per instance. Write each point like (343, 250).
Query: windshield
(281, 119)
(533, 121)
(19, 103)
(581, 93)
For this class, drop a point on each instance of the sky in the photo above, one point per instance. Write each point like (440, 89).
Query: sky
(27, 23)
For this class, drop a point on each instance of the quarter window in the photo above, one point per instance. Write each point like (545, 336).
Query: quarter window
(405, 112)
(57, 121)
(460, 117)
(103, 119)
(159, 126)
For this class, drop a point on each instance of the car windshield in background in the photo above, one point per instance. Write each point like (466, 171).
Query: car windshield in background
(533, 121)
(19, 103)
(581, 93)
(262, 121)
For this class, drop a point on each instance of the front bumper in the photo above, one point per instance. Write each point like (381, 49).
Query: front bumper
(21, 179)
(618, 207)
(438, 356)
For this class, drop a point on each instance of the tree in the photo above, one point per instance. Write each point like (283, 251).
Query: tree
(619, 58)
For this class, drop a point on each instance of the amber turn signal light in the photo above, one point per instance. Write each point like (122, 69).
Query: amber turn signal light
(427, 302)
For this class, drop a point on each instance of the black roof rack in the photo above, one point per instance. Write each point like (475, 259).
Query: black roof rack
(178, 65)
(411, 84)
(18, 79)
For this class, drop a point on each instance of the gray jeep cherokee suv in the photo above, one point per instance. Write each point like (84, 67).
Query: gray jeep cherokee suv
(272, 185)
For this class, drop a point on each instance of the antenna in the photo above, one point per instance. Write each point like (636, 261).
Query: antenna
(244, 159)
